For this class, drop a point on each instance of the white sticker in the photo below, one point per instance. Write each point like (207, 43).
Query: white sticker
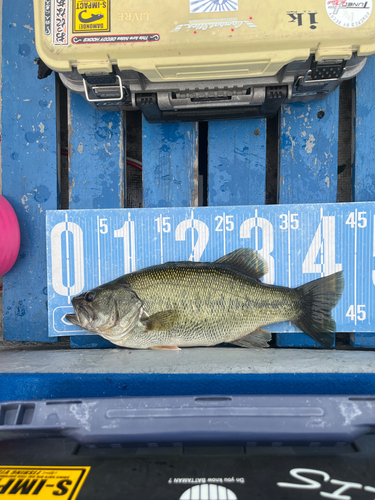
(217, 23)
(60, 25)
(47, 17)
(197, 6)
(348, 14)
(205, 491)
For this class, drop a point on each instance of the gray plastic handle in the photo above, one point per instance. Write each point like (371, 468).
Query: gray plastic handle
(187, 420)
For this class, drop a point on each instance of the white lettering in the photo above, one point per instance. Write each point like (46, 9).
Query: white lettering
(306, 483)
(309, 484)
(345, 486)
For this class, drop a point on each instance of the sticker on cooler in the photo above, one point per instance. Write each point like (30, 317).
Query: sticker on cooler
(198, 6)
(348, 14)
(60, 22)
(212, 491)
(215, 23)
(147, 37)
(91, 17)
(42, 483)
(47, 17)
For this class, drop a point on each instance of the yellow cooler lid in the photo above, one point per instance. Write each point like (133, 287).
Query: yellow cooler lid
(187, 40)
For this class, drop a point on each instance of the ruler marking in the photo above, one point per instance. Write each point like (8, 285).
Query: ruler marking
(224, 229)
(355, 265)
(67, 257)
(289, 223)
(99, 256)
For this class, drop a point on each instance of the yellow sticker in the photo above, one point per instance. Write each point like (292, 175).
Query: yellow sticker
(42, 483)
(91, 16)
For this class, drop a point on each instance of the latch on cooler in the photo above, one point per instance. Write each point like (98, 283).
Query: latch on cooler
(103, 88)
(320, 77)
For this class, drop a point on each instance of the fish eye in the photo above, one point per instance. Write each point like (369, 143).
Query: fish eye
(90, 296)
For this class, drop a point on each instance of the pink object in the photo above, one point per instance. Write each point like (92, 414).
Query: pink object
(9, 236)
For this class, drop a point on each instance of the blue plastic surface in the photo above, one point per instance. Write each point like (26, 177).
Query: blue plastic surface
(88, 385)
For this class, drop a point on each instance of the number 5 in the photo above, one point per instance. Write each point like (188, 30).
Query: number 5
(103, 226)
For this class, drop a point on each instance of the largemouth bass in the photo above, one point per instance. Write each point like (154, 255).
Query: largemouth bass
(180, 304)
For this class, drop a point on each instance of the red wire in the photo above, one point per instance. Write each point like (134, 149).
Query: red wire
(133, 164)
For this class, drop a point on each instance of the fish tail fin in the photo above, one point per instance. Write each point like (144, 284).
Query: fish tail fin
(318, 298)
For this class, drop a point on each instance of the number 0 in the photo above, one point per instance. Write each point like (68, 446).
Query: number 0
(76, 260)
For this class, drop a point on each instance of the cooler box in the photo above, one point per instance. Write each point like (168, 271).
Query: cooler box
(203, 60)
(189, 448)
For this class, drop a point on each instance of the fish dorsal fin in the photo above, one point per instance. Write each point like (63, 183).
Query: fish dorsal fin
(246, 261)
(161, 321)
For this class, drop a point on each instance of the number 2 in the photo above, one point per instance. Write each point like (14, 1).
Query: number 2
(202, 240)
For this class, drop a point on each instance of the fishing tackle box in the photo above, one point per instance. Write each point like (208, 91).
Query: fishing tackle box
(203, 60)
(185, 447)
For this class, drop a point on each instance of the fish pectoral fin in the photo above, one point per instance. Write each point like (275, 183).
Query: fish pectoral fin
(161, 321)
(247, 261)
(166, 348)
(258, 338)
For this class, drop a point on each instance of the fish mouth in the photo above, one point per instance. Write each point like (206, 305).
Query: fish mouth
(73, 318)
(83, 313)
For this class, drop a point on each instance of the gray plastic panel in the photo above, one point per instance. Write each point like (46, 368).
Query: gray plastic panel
(192, 420)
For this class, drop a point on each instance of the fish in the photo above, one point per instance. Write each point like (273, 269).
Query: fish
(189, 304)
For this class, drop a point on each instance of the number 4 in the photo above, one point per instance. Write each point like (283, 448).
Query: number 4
(322, 248)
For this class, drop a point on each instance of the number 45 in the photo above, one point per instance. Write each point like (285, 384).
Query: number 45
(361, 313)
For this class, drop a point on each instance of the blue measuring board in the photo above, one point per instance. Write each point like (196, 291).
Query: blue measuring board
(300, 243)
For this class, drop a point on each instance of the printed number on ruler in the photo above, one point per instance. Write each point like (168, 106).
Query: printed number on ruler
(356, 220)
(67, 259)
(199, 234)
(67, 244)
(224, 224)
(323, 246)
(268, 242)
(203, 235)
(67, 254)
(127, 233)
(163, 225)
(298, 243)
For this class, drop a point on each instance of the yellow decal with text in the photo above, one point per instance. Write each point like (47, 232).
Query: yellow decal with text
(91, 16)
(42, 483)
